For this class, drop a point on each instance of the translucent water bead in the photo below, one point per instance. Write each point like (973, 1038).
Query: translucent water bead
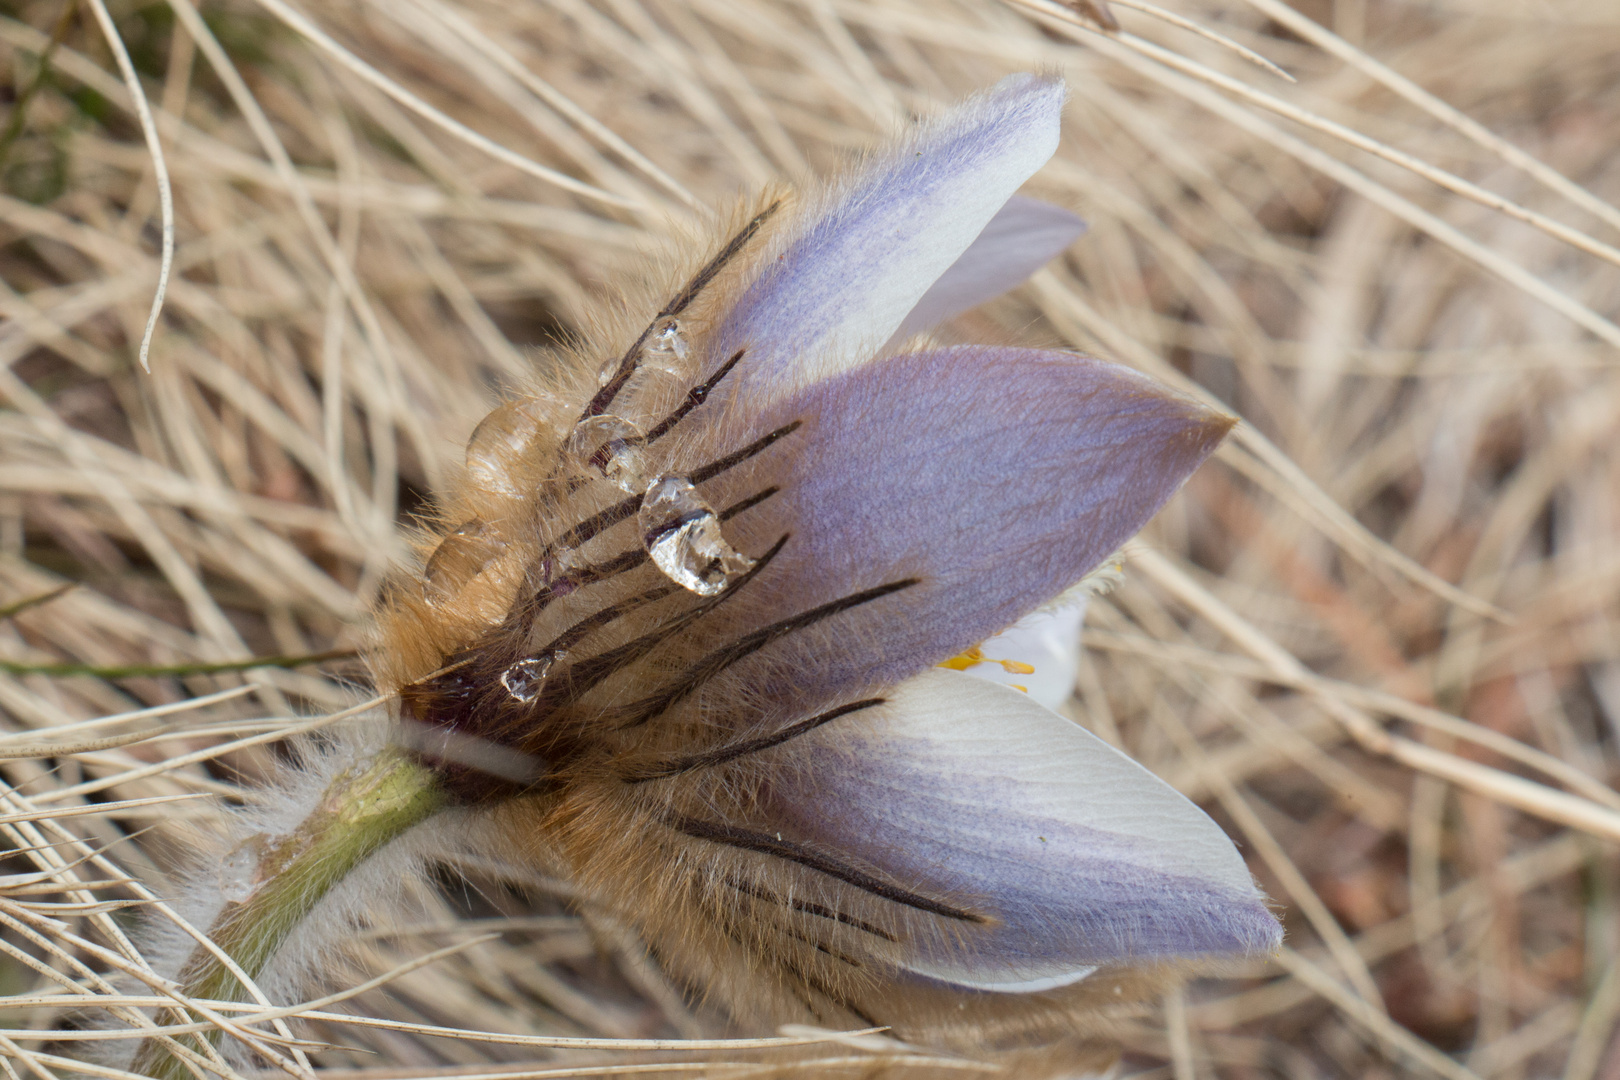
(236, 871)
(662, 370)
(460, 557)
(509, 434)
(664, 351)
(682, 534)
(611, 446)
(666, 348)
(524, 679)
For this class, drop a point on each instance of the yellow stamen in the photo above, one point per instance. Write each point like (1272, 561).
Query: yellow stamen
(964, 660)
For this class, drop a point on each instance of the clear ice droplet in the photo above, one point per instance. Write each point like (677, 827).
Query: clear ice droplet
(660, 369)
(666, 348)
(511, 433)
(236, 872)
(524, 679)
(682, 534)
(611, 446)
(460, 557)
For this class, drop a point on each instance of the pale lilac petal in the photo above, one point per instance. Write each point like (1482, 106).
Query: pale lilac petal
(1049, 642)
(1023, 236)
(839, 287)
(1081, 857)
(989, 479)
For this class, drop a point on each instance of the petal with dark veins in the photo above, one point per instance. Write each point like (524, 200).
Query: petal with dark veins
(1080, 857)
(991, 479)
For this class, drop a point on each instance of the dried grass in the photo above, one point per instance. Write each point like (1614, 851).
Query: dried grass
(1380, 638)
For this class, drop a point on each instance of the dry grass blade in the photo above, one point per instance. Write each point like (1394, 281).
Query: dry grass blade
(1596, 1027)
(1411, 91)
(160, 169)
(1508, 270)
(1205, 32)
(34, 814)
(304, 26)
(1403, 1041)
(1378, 638)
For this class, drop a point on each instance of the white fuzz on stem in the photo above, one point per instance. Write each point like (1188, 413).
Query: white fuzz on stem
(298, 872)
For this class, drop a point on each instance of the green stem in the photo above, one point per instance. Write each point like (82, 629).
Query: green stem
(361, 810)
(17, 607)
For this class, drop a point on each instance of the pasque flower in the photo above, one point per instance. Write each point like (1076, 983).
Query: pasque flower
(679, 639)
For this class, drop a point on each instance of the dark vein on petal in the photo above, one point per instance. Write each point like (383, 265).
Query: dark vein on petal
(715, 468)
(694, 398)
(752, 746)
(745, 646)
(627, 508)
(627, 365)
(747, 840)
(818, 946)
(806, 939)
(747, 504)
(810, 908)
(576, 633)
(582, 676)
(716, 264)
(633, 558)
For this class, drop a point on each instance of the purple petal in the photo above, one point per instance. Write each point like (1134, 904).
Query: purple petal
(977, 483)
(1022, 237)
(1081, 857)
(862, 260)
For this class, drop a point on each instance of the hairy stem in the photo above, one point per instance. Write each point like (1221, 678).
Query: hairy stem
(361, 810)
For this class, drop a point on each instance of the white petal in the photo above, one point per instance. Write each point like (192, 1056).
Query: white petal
(1023, 236)
(1077, 855)
(865, 255)
(1049, 642)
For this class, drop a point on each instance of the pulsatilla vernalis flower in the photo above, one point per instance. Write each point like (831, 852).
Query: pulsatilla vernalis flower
(683, 629)
(689, 618)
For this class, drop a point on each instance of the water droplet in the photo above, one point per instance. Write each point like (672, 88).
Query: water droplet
(666, 348)
(663, 367)
(511, 433)
(524, 679)
(682, 534)
(460, 557)
(612, 446)
(236, 872)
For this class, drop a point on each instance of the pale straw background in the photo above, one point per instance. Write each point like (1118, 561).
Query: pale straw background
(1377, 637)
